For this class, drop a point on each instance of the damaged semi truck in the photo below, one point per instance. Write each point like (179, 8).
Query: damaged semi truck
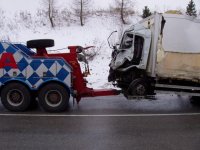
(160, 54)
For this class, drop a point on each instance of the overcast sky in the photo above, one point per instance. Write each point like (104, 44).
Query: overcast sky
(159, 5)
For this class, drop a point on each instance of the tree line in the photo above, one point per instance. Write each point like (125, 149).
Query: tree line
(190, 10)
(81, 10)
(124, 8)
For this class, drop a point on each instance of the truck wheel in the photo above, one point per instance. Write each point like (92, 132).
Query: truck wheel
(42, 43)
(138, 87)
(53, 98)
(15, 97)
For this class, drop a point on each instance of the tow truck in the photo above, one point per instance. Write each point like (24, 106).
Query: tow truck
(52, 78)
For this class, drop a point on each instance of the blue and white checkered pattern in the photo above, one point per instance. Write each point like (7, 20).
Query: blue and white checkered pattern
(33, 71)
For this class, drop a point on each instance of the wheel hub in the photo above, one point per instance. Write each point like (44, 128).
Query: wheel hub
(15, 97)
(140, 89)
(53, 98)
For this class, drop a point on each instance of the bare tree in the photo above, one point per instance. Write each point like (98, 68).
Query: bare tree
(124, 8)
(50, 9)
(81, 9)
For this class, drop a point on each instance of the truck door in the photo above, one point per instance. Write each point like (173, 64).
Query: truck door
(138, 47)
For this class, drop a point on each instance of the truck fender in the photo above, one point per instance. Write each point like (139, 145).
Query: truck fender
(14, 81)
(69, 90)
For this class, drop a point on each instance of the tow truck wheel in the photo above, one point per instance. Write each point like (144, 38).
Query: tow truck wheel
(53, 98)
(15, 97)
(138, 87)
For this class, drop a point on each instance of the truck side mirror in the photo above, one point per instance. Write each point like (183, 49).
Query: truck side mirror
(110, 43)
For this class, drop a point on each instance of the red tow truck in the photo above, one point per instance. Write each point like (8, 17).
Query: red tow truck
(52, 78)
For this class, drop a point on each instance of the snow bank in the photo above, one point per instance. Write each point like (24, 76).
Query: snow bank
(94, 33)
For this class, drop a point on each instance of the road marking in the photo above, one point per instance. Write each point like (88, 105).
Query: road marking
(106, 115)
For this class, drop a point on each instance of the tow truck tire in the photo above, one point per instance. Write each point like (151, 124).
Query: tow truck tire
(53, 98)
(138, 87)
(42, 43)
(16, 97)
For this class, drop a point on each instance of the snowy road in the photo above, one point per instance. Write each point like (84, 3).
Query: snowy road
(106, 123)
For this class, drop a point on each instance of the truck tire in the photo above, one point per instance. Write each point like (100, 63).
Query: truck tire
(42, 43)
(53, 98)
(138, 87)
(16, 97)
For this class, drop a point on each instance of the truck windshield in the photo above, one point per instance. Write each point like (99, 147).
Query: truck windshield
(127, 41)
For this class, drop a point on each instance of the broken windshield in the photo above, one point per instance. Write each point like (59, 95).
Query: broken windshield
(127, 41)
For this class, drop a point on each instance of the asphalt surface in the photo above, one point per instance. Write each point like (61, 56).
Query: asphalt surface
(106, 123)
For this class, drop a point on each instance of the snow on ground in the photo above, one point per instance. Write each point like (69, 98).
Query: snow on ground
(94, 33)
